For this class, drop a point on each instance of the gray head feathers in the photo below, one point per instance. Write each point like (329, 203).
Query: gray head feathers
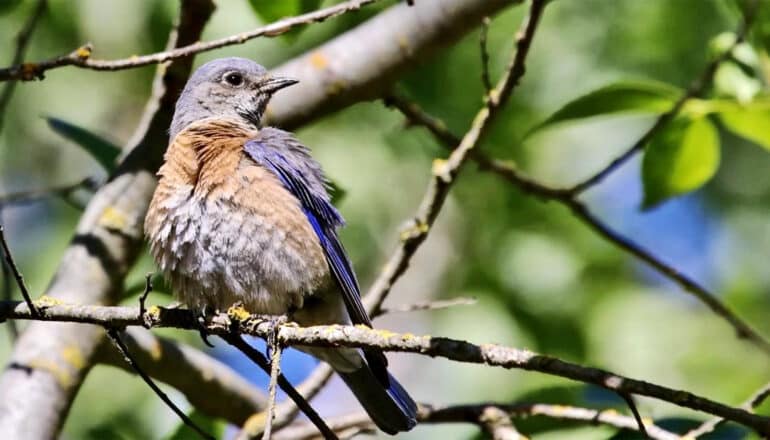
(233, 87)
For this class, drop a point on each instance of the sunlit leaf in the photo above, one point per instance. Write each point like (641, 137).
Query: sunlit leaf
(750, 124)
(100, 149)
(680, 159)
(624, 97)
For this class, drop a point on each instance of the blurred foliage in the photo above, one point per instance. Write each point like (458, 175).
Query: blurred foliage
(101, 150)
(270, 11)
(599, 73)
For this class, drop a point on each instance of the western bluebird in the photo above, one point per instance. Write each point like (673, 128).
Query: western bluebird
(241, 214)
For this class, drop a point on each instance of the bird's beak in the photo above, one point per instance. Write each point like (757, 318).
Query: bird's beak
(273, 84)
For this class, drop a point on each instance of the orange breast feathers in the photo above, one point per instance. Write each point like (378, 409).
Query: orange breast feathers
(225, 229)
(206, 152)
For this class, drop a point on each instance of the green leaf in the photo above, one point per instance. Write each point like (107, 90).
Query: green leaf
(623, 97)
(272, 10)
(183, 432)
(100, 149)
(750, 124)
(680, 159)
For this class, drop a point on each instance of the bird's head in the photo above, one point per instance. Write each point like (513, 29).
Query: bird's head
(227, 87)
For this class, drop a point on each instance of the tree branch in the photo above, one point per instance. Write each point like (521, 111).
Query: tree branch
(81, 57)
(22, 40)
(470, 413)
(11, 264)
(365, 62)
(709, 426)
(236, 341)
(314, 383)
(498, 425)
(445, 171)
(417, 116)
(49, 362)
(33, 195)
(359, 422)
(226, 325)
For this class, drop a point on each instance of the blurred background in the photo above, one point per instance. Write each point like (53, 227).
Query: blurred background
(541, 278)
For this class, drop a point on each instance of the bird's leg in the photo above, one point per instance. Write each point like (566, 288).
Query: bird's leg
(275, 322)
(203, 317)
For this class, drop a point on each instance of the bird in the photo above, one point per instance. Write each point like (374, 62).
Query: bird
(242, 215)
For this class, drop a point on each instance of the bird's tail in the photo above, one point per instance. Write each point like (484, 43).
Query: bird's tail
(389, 405)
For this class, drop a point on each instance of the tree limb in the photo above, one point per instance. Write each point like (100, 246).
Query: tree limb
(49, 362)
(417, 116)
(359, 422)
(22, 40)
(445, 171)
(237, 321)
(81, 57)
(365, 62)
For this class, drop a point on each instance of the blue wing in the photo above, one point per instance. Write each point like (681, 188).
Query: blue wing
(321, 214)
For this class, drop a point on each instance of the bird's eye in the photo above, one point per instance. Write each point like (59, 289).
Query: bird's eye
(234, 78)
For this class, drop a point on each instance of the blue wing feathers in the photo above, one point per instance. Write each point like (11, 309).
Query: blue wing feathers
(389, 404)
(321, 214)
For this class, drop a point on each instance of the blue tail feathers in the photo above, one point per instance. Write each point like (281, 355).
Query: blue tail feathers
(390, 406)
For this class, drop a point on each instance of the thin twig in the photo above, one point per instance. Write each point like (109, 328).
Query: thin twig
(16, 274)
(22, 41)
(485, 78)
(610, 417)
(37, 194)
(259, 359)
(629, 399)
(417, 116)
(208, 384)
(498, 425)
(366, 338)
(445, 171)
(428, 305)
(742, 329)
(359, 422)
(309, 388)
(81, 57)
(13, 330)
(694, 90)
(275, 369)
(145, 294)
(750, 404)
(115, 337)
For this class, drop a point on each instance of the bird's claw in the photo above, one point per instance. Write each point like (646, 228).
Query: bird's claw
(275, 322)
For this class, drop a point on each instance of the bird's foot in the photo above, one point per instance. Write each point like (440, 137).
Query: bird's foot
(275, 322)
